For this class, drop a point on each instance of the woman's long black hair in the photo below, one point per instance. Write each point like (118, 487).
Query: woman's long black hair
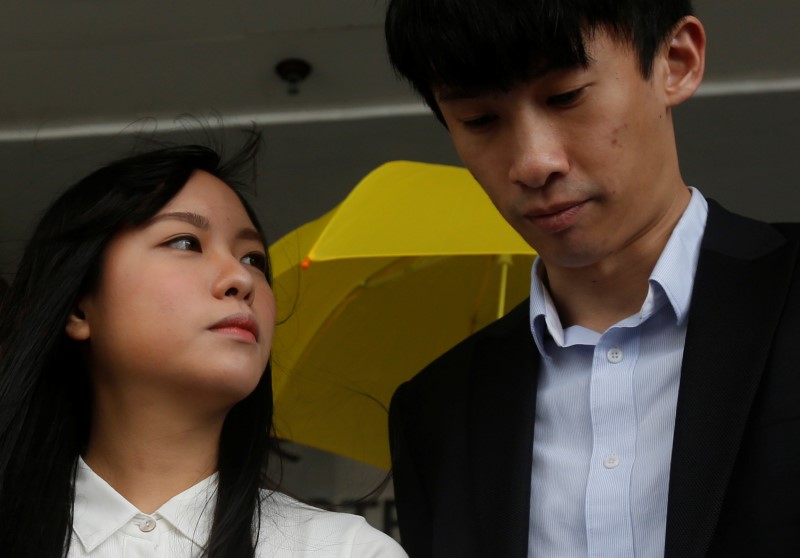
(45, 394)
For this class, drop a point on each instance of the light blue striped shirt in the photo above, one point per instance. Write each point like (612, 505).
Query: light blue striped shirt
(605, 414)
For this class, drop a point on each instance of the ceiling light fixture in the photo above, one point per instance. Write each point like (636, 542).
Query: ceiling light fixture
(293, 71)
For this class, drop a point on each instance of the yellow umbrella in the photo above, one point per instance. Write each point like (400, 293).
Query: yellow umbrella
(411, 262)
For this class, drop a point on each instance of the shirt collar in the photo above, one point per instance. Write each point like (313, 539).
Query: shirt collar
(100, 511)
(674, 272)
(671, 278)
(192, 511)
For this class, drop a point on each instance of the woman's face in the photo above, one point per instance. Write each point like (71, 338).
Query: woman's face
(183, 308)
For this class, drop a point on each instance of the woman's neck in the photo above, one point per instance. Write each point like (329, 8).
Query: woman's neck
(151, 452)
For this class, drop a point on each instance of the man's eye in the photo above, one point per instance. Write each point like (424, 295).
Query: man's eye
(257, 260)
(565, 99)
(184, 243)
(480, 122)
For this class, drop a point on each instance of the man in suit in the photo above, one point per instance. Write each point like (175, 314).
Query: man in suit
(645, 400)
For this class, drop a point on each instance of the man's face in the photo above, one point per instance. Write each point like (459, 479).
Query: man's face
(581, 162)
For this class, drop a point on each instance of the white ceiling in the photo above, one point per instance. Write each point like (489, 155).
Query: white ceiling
(81, 78)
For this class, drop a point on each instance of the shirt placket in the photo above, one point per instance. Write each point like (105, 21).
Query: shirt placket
(609, 530)
(142, 537)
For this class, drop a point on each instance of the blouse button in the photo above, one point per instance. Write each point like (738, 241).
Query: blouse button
(147, 525)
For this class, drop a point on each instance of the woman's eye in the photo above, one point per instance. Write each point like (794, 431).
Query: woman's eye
(257, 260)
(565, 99)
(189, 243)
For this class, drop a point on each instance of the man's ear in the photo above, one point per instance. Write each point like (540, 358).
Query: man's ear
(685, 56)
(77, 326)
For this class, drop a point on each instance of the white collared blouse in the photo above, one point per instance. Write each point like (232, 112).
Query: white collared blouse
(106, 525)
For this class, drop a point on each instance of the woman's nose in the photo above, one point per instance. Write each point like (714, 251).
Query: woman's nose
(233, 280)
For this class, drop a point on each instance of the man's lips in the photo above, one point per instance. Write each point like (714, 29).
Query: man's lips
(557, 217)
(240, 325)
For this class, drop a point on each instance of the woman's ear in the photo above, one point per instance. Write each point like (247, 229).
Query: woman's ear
(77, 326)
(685, 55)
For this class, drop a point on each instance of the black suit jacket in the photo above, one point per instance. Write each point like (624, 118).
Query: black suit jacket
(461, 431)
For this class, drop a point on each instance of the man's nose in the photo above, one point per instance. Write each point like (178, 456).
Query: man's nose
(538, 154)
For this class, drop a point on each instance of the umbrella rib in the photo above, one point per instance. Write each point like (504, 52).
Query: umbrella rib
(480, 295)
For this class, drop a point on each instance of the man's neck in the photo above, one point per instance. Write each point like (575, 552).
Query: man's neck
(601, 295)
(599, 300)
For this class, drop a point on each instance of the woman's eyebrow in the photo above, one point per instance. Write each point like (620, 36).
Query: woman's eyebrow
(194, 219)
(202, 222)
(251, 234)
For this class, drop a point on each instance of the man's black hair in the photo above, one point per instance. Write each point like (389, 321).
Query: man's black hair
(481, 45)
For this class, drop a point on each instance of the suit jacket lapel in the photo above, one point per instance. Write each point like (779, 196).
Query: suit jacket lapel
(502, 440)
(741, 282)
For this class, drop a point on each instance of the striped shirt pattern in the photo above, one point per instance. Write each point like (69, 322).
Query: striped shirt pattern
(605, 414)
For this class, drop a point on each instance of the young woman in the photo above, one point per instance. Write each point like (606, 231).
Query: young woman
(135, 388)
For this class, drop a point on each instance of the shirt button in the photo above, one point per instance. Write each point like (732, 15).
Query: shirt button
(147, 525)
(614, 355)
(611, 461)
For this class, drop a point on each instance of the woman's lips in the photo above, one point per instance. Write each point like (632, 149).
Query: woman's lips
(241, 326)
(556, 219)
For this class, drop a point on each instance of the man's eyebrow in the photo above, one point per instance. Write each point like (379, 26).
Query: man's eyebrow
(195, 219)
(448, 94)
(445, 95)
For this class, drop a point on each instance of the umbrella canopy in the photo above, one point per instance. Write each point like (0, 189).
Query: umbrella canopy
(414, 260)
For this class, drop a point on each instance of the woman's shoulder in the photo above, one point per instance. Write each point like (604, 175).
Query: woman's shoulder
(290, 528)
